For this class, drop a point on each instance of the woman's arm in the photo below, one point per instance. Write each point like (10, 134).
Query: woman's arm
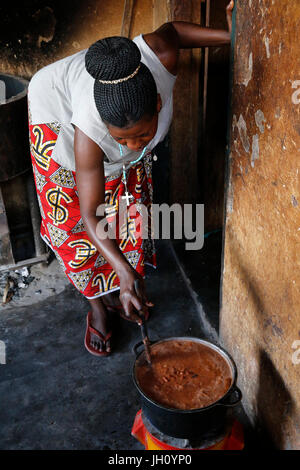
(167, 40)
(91, 190)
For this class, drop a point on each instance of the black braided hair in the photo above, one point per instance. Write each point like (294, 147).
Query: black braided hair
(125, 103)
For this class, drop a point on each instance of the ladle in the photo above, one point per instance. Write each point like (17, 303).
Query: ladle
(144, 329)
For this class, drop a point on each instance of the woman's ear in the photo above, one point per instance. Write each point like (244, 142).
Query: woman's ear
(159, 103)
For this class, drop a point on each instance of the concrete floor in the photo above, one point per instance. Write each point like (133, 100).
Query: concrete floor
(54, 394)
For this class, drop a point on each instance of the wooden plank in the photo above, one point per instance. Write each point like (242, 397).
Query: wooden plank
(6, 254)
(127, 18)
(212, 152)
(184, 130)
(26, 262)
(35, 215)
(206, 53)
(161, 12)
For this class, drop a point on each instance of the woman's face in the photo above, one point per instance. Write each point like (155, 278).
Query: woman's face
(137, 136)
(140, 134)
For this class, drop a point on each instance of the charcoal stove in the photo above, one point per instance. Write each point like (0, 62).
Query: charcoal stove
(229, 437)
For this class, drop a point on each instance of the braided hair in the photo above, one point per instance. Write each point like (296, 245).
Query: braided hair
(120, 104)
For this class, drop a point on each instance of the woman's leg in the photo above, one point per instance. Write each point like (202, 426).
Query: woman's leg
(68, 233)
(100, 323)
(112, 299)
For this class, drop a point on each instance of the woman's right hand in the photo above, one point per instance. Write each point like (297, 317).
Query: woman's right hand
(133, 302)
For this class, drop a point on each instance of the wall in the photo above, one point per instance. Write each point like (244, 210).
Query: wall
(212, 152)
(184, 130)
(261, 262)
(40, 32)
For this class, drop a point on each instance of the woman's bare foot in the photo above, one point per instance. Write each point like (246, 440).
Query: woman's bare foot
(99, 322)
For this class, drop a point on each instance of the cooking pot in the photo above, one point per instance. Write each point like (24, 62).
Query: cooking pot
(188, 424)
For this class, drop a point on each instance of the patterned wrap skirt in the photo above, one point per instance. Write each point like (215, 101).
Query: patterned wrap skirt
(62, 227)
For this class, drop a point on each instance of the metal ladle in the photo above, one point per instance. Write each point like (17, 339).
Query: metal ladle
(144, 329)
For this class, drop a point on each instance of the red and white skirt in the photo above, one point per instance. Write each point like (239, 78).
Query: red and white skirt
(62, 227)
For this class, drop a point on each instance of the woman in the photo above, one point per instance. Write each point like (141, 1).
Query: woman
(94, 118)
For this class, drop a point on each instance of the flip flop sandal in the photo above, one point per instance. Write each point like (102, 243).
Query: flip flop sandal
(87, 340)
(119, 309)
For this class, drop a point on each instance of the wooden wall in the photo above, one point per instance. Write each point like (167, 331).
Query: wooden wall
(212, 138)
(184, 131)
(261, 266)
(39, 32)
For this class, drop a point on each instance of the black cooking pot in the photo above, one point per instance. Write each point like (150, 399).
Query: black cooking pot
(188, 424)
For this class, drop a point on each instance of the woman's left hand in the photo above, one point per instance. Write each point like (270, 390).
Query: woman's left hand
(229, 9)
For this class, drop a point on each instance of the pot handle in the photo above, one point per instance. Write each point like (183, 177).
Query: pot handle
(233, 398)
(136, 347)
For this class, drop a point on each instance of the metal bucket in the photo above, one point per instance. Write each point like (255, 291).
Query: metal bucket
(14, 142)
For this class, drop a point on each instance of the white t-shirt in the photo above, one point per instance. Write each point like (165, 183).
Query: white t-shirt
(63, 93)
